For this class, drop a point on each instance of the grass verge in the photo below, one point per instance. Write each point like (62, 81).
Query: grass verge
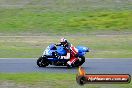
(65, 17)
(21, 21)
(50, 80)
(101, 46)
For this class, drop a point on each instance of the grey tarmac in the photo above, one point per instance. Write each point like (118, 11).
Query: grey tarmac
(95, 66)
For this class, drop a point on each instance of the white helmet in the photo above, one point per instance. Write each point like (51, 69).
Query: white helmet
(63, 40)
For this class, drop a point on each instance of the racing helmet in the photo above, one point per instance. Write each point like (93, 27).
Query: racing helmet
(63, 40)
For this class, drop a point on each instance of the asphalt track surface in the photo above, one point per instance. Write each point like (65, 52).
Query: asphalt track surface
(115, 66)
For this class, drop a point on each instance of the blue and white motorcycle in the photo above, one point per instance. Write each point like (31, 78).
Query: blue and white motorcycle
(52, 56)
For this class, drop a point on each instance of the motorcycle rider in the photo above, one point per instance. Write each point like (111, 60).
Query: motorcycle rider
(64, 43)
(71, 51)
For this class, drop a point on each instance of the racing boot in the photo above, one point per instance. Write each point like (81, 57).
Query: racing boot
(71, 62)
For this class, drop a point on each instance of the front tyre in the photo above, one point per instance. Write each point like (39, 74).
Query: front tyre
(42, 62)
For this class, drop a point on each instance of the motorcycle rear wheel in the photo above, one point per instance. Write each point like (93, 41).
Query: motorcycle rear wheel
(79, 63)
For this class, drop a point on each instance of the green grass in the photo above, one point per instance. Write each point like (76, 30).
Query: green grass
(65, 17)
(50, 80)
(17, 21)
(101, 46)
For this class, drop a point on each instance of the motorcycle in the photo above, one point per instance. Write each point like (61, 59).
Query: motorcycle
(52, 56)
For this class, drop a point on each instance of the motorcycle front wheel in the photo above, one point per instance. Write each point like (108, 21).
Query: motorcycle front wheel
(42, 62)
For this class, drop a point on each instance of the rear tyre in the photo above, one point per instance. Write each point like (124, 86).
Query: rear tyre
(42, 62)
(79, 62)
(82, 60)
